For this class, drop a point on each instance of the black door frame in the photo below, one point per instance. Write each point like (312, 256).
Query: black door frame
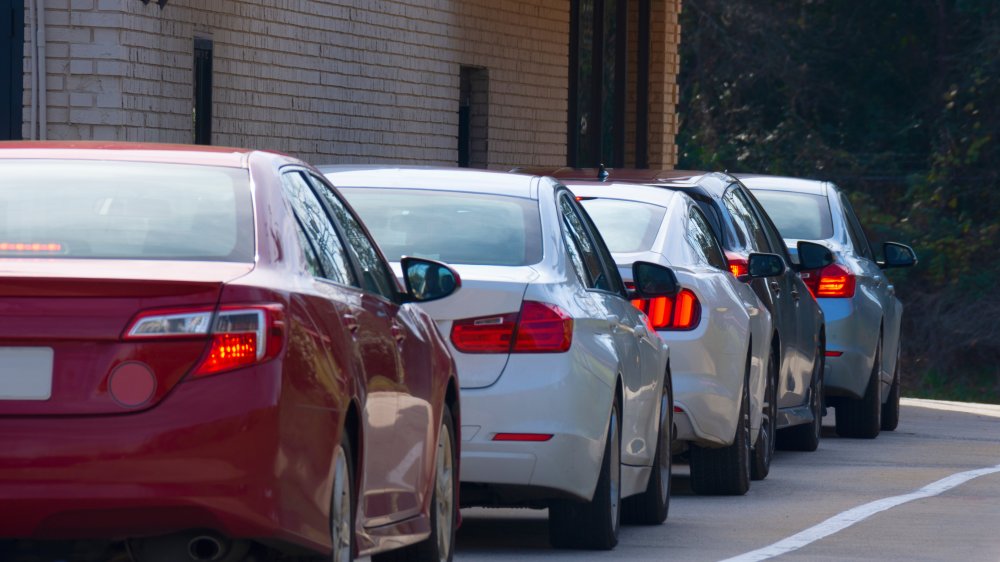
(12, 70)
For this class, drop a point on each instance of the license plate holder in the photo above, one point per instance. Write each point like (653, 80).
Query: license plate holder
(26, 373)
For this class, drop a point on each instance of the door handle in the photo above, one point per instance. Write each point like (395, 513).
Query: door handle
(350, 322)
(398, 333)
(776, 287)
(795, 294)
(613, 321)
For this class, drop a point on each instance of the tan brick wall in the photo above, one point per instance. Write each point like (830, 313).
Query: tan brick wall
(332, 81)
(357, 81)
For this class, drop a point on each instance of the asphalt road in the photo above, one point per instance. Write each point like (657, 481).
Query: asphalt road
(907, 495)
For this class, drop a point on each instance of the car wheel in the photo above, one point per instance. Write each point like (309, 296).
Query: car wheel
(890, 410)
(651, 506)
(594, 524)
(763, 452)
(343, 502)
(725, 470)
(805, 437)
(862, 417)
(440, 545)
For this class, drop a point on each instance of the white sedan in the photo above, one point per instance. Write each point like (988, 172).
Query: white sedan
(565, 392)
(717, 328)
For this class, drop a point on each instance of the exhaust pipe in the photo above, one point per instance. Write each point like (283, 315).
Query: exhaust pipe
(196, 546)
(206, 547)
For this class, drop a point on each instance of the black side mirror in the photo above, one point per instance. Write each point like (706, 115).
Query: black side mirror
(765, 265)
(428, 280)
(813, 256)
(897, 255)
(653, 280)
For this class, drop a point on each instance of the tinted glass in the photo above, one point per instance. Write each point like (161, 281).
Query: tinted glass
(857, 233)
(318, 228)
(703, 241)
(377, 277)
(125, 210)
(798, 216)
(585, 247)
(626, 226)
(745, 221)
(459, 228)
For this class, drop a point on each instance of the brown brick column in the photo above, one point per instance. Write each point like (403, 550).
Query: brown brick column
(664, 64)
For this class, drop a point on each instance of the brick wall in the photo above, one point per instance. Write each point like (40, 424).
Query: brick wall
(329, 81)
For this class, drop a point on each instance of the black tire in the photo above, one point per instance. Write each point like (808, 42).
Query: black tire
(861, 418)
(652, 506)
(593, 525)
(806, 437)
(725, 470)
(890, 410)
(440, 545)
(344, 481)
(763, 451)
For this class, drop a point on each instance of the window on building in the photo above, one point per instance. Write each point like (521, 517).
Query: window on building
(473, 117)
(202, 91)
(11, 69)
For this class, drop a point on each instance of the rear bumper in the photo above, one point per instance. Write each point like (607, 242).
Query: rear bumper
(206, 457)
(537, 395)
(854, 338)
(708, 389)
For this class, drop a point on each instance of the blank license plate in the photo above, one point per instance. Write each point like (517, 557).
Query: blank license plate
(25, 373)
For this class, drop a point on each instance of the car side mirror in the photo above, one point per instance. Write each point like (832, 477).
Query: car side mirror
(813, 256)
(897, 255)
(428, 280)
(765, 265)
(653, 280)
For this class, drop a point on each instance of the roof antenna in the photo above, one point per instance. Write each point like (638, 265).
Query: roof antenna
(602, 172)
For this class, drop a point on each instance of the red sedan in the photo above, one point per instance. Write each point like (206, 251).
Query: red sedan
(204, 356)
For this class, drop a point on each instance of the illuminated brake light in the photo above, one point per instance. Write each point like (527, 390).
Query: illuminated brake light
(35, 247)
(537, 328)
(834, 353)
(533, 437)
(678, 313)
(738, 265)
(833, 281)
(239, 336)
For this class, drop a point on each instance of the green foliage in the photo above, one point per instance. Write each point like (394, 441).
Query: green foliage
(897, 102)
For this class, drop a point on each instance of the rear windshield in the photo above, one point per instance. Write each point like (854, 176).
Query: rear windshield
(459, 228)
(124, 210)
(798, 216)
(626, 226)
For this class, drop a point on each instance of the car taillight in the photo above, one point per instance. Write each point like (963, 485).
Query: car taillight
(537, 328)
(239, 335)
(738, 264)
(833, 281)
(680, 312)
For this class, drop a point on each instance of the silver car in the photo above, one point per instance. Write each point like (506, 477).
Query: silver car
(859, 302)
(566, 398)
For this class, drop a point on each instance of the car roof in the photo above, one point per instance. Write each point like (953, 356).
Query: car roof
(432, 178)
(126, 152)
(784, 183)
(630, 175)
(627, 191)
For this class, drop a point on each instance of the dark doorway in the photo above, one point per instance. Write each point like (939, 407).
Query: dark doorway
(11, 69)
(202, 91)
(600, 80)
(473, 117)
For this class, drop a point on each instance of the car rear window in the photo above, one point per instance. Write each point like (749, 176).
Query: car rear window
(125, 210)
(459, 228)
(626, 226)
(798, 216)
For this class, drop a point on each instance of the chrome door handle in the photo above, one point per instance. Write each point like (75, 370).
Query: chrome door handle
(776, 287)
(351, 322)
(795, 294)
(398, 333)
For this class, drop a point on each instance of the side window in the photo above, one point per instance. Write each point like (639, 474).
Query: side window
(378, 278)
(776, 242)
(615, 282)
(312, 260)
(705, 244)
(739, 207)
(582, 245)
(854, 229)
(318, 229)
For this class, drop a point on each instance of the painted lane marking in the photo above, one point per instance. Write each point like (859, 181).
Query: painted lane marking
(847, 518)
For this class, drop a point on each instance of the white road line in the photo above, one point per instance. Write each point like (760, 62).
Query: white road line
(990, 410)
(847, 518)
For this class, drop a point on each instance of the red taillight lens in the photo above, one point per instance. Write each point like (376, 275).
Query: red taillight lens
(240, 335)
(833, 281)
(489, 334)
(532, 437)
(738, 264)
(681, 312)
(538, 328)
(30, 247)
